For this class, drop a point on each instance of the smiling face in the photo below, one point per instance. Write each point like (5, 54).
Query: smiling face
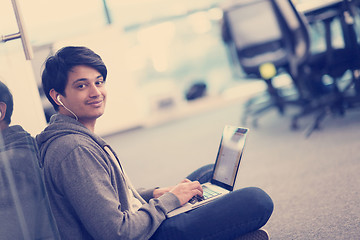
(85, 95)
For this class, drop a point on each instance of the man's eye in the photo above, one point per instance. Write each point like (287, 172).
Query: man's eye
(100, 82)
(81, 86)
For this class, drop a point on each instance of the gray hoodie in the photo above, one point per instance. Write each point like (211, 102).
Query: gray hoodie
(24, 207)
(87, 189)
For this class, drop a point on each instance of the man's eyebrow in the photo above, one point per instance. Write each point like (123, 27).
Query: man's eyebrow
(85, 79)
(79, 80)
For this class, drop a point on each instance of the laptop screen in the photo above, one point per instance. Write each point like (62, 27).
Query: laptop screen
(229, 155)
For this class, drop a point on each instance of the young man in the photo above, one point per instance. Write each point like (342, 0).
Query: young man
(90, 194)
(24, 207)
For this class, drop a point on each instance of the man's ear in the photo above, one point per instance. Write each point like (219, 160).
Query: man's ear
(54, 94)
(2, 110)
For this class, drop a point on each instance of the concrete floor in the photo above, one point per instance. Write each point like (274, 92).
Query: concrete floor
(314, 182)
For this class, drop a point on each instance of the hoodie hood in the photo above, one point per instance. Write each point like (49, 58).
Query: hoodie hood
(61, 125)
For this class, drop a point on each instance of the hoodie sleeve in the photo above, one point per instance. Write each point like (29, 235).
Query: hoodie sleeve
(96, 197)
(146, 194)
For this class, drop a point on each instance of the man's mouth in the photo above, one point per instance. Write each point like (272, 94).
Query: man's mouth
(96, 103)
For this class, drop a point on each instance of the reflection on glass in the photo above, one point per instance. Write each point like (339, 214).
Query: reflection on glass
(24, 207)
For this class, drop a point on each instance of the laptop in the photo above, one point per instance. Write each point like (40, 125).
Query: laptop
(225, 169)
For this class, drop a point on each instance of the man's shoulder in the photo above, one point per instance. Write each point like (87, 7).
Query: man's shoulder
(73, 151)
(72, 141)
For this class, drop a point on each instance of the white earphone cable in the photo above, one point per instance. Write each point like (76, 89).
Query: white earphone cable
(76, 117)
(58, 98)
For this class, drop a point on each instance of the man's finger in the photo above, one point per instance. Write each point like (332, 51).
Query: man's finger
(185, 180)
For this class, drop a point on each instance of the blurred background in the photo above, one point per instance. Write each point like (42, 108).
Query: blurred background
(155, 52)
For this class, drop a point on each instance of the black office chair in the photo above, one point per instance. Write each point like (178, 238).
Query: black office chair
(258, 44)
(321, 98)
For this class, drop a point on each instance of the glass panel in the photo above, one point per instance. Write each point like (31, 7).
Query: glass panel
(50, 20)
(24, 207)
(7, 16)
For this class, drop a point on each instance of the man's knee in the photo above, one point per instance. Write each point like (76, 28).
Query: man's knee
(256, 198)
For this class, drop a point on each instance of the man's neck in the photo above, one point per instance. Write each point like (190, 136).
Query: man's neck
(3, 125)
(89, 124)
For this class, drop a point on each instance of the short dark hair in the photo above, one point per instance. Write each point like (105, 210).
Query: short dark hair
(57, 68)
(7, 98)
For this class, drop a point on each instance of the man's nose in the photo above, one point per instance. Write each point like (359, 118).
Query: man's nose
(94, 91)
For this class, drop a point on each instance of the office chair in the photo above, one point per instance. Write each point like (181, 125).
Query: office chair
(319, 98)
(253, 33)
(261, 32)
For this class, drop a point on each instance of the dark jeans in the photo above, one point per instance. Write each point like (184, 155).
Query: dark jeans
(235, 214)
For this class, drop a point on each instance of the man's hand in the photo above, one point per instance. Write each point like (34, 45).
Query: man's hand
(185, 190)
(161, 191)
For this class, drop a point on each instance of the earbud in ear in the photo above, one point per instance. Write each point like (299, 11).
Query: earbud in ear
(0, 114)
(58, 98)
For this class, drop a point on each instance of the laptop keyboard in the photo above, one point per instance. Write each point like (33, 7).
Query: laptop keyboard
(207, 193)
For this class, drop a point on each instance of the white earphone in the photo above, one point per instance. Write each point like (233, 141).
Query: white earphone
(58, 98)
(0, 114)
